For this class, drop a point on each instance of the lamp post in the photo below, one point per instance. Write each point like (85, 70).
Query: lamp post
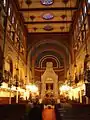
(17, 70)
(17, 87)
(28, 2)
(9, 85)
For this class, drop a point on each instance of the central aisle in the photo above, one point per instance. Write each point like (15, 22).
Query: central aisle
(48, 114)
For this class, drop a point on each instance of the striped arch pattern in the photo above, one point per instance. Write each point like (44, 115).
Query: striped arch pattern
(50, 41)
(55, 53)
(50, 45)
(49, 56)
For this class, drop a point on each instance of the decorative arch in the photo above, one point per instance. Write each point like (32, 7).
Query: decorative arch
(63, 47)
(49, 56)
(50, 50)
(57, 52)
(48, 41)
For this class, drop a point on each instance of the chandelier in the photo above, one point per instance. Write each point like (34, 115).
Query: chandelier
(28, 2)
(32, 87)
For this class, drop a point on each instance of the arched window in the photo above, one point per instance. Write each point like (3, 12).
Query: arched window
(88, 1)
(4, 3)
(9, 11)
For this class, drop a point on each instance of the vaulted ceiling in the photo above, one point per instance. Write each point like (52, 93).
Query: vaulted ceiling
(47, 15)
(49, 24)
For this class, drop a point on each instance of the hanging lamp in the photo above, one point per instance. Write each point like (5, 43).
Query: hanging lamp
(28, 2)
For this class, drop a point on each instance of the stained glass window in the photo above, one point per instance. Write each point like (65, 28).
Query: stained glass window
(47, 16)
(13, 19)
(48, 28)
(88, 1)
(85, 10)
(46, 2)
(4, 3)
(9, 11)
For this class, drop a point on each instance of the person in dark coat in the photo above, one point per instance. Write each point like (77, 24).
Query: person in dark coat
(35, 113)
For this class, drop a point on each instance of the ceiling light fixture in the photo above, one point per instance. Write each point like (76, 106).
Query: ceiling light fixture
(28, 2)
(21, 3)
(65, 2)
(63, 16)
(62, 28)
(35, 28)
(32, 17)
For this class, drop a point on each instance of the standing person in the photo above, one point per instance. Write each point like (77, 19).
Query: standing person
(35, 113)
(48, 114)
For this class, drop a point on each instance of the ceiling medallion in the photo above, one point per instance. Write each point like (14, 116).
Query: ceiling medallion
(48, 28)
(48, 16)
(46, 2)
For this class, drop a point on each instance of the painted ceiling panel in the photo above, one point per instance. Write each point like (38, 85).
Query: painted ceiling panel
(56, 27)
(57, 15)
(37, 4)
(44, 48)
(62, 10)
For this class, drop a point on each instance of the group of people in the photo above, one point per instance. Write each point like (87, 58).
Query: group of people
(33, 111)
(36, 111)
